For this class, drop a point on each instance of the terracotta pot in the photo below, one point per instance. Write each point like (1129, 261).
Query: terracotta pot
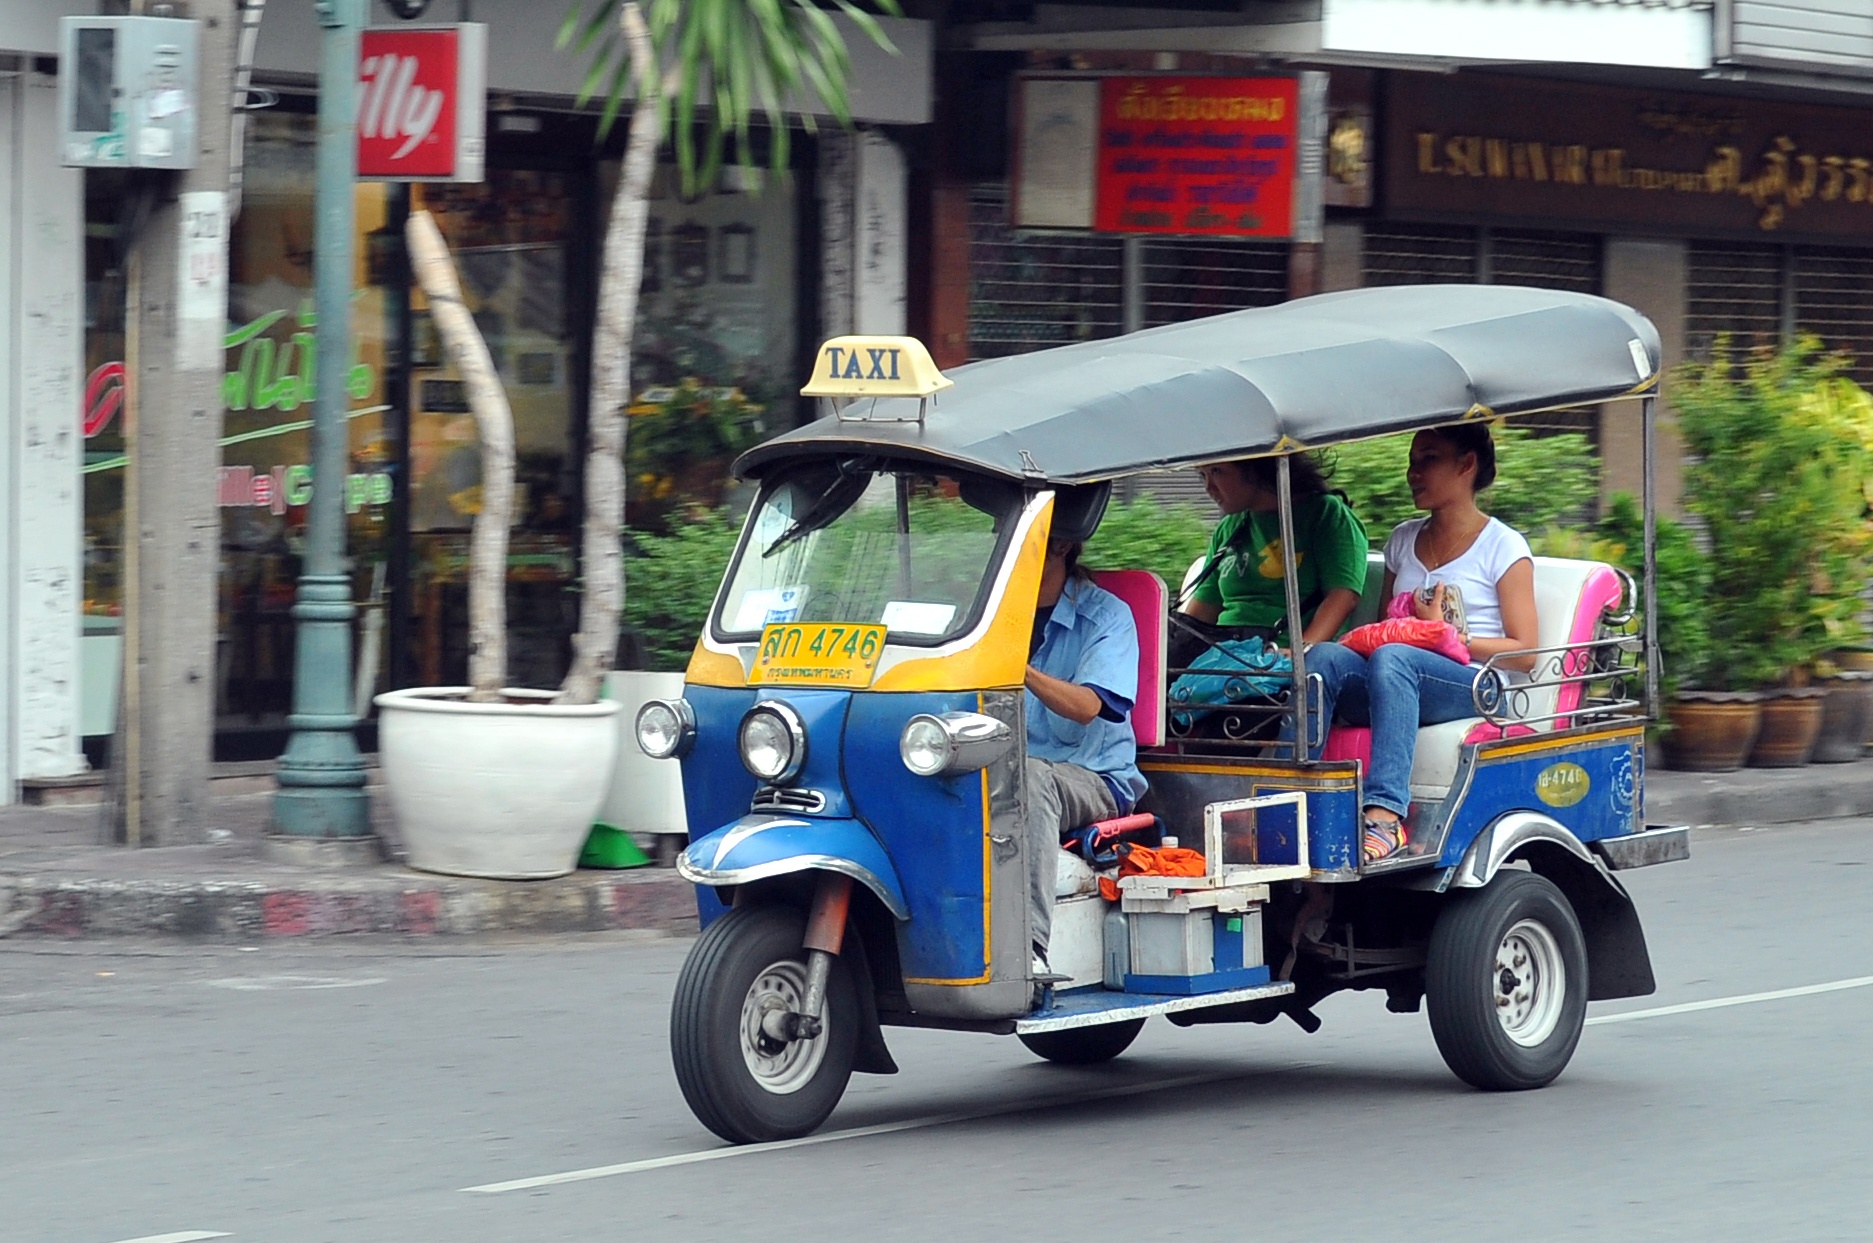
(1711, 733)
(1791, 722)
(1853, 659)
(1846, 718)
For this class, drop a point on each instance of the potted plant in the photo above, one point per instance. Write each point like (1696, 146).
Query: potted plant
(1710, 727)
(486, 779)
(1778, 489)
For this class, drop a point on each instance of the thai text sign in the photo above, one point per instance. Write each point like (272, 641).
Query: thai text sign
(1203, 156)
(421, 101)
(1196, 156)
(1612, 155)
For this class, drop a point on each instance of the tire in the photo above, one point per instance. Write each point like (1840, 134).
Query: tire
(737, 1086)
(1505, 981)
(1084, 1046)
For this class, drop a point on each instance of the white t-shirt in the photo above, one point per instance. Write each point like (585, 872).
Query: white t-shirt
(1476, 572)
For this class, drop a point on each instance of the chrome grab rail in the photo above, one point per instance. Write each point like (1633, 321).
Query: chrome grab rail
(1503, 702)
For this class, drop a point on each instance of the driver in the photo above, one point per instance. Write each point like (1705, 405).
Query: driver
(1082, 676)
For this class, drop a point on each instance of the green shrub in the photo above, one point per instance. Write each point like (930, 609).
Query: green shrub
(1778, 477)
(670, 581)
(1541, 481)
(1143, 535)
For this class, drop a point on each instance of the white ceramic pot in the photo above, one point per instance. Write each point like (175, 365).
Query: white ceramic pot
(646, 797)
(502, 790)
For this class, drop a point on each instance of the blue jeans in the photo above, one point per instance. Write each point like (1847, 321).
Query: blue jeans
(1395, 691)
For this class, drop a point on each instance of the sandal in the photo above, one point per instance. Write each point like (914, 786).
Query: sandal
(1382, 838)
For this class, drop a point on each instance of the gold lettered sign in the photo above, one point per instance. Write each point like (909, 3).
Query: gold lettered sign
(1612, 155)
(1562, 785)
(833, 654)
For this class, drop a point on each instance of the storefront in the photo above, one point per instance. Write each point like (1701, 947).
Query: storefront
(733, 293)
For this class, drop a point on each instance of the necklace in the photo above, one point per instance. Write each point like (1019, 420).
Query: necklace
(1430, 542)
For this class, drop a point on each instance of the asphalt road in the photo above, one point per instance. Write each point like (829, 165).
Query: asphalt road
(326, 1094)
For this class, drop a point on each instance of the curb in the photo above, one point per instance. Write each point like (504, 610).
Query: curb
(1759, 796)
(396, 902)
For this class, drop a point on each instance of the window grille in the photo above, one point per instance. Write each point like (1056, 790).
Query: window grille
(1732, 288)
(1187, 279)
(1029, 290)
(1834, 300)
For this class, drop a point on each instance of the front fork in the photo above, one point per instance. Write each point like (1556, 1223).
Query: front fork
(825, 933)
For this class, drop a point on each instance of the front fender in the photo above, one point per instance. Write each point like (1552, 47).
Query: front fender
(757, 847)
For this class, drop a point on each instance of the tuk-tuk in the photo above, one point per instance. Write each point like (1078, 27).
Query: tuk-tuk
(852, 739)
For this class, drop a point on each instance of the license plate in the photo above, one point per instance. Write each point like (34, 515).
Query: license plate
(818, 654)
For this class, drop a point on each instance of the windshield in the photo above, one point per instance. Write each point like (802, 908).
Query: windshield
(911, 551)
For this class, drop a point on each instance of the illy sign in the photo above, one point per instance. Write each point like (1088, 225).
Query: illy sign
(422, 97)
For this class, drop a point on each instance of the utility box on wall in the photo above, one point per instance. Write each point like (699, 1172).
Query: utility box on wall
(129, 94)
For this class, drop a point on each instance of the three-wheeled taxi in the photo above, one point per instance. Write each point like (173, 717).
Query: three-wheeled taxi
(851, 730)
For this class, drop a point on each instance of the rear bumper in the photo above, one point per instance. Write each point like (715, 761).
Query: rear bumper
(1656, 844)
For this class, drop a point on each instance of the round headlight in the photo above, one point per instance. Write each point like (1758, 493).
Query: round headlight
(664, 728)
(925, 746)
(773, 742)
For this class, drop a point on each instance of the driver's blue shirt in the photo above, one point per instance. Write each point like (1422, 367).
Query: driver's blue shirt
(1091, 641)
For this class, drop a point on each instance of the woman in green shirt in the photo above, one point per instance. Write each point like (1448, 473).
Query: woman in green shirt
(1240, 593)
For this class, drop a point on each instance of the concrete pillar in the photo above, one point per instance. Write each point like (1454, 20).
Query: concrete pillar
(1342, 256)
(41, 449)
(863, 234)
(1647, 274)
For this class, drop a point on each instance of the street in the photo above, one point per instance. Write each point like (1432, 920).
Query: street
(379, 1091)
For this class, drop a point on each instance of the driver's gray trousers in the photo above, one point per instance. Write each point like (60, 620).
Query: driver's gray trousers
(1060, 796)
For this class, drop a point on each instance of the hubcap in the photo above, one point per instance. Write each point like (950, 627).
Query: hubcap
(779, 1066)
(1530, 983)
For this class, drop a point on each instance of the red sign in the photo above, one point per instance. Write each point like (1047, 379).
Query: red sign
(420, 103)
(1197, 156)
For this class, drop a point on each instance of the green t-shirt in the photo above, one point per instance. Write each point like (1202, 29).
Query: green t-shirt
(1247, 582)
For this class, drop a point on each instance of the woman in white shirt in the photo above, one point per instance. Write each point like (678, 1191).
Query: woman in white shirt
(1401, 687)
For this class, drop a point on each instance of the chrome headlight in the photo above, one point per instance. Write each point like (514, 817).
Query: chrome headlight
(954, 742)
(666, 728)
(773, 742)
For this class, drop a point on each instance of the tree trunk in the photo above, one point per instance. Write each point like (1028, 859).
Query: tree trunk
(494, 422)
(596, 644)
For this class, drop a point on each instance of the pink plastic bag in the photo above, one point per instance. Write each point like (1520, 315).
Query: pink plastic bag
(1432, 636)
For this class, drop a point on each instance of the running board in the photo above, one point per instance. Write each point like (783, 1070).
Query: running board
(1096, 1006)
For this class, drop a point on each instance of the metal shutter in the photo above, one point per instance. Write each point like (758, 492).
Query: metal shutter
(1190, 279)
(1733, 288)
(1834, 300)
(1028, 290)
(1413, 254)
(1569, 261)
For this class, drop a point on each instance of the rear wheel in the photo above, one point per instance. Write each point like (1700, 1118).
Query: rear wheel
(1505, 982)
(1084, 1046)
(741, 1081)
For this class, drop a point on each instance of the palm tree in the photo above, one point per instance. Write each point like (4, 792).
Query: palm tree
(694, 69)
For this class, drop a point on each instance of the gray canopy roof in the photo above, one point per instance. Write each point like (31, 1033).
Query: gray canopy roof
(1305, 374)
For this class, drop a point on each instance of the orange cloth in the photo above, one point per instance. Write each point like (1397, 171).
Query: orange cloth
(1135, 860)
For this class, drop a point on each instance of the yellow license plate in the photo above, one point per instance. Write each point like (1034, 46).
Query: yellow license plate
(818, 654)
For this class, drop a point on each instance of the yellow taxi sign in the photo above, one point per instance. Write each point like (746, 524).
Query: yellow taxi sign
(874, 367)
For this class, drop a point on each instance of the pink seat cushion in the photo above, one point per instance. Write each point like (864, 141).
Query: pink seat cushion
(1146, 596)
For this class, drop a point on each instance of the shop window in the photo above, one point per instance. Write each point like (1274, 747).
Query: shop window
(1414, 254)
(1834, 300)
(713, 362)
(1188, 279)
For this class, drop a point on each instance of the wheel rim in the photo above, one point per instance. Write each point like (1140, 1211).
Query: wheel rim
(1529, 984)
(780, 1067)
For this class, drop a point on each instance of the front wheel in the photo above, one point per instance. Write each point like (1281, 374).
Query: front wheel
(1505, 982)
(1084, 1046)
(740, 1081)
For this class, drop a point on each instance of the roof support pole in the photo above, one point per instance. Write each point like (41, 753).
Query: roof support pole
(1648, 418)
(1291, 582)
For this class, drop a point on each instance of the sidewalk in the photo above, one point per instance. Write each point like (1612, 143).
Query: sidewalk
(56, 881)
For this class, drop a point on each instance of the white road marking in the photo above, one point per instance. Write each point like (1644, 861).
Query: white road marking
(181, 1236)
(1745, 999)
(861, 1132)
(275, 983)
